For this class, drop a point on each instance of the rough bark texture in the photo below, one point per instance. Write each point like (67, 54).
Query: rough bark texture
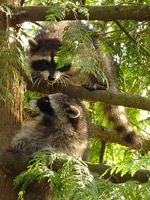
(105, 13)
(10, 119)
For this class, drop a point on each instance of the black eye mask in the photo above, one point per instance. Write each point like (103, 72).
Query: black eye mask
(45, 106)
(65, 68)
(40, 65)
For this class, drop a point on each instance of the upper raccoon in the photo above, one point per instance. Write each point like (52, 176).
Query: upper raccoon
(62, 125)
(41, 61)
(43, 49)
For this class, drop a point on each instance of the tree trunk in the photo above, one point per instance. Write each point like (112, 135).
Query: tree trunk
(10, 117)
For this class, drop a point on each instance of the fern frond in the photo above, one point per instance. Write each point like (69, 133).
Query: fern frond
(58, 11)
(131, 165)
(73, 179)
(77, 48)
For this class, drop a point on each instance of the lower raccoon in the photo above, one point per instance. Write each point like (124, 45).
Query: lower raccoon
(41, 61)
(62, 125)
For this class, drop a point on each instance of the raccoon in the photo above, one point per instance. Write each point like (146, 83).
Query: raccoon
(61, 125)
(41, 61)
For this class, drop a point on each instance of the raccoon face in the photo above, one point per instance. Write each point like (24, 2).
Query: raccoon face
(42, 61)
(58, 106)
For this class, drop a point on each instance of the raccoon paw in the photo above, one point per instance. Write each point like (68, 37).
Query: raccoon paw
(18, 146)
(94, 86)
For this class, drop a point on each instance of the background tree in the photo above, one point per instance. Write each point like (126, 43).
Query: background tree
(129, 42)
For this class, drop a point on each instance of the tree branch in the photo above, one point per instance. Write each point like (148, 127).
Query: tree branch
(18, 162)
(112, 136)
(105, 13)
(131, 38)
(127, 100)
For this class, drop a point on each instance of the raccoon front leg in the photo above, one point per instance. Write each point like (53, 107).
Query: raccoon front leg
(94, 86)
(19, 142)
(95, 83)
(18, 146)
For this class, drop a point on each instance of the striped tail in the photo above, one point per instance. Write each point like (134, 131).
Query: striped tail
(117, 115)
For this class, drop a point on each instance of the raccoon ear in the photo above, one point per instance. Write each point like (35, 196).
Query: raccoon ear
(73, 112)
(33, 43)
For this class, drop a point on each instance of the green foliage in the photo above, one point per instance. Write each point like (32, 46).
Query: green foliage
(58, 11)
(132, 162)
(77, 48)
(123, 191)
(32, 95)
(11, 61)
(77, 44)
(73, 179)
(95, 146)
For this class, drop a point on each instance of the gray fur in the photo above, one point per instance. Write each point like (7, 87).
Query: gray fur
(62, 125)
(73, 76)
(66, 129)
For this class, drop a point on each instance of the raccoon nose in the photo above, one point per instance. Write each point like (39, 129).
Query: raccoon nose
(51, 78)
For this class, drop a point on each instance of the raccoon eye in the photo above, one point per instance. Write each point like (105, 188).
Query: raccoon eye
(45, 100)
(65, 68)
(45, 106)
(44, 62)
(40, 65)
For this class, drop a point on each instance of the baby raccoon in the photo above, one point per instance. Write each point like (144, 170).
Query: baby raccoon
(41, 60)
(62, 125)
(43, 66)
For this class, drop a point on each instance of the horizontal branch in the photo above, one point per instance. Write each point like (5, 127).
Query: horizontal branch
(104, 96)
(105, 13)
(110, 135)
(17, 162)
(101, 132)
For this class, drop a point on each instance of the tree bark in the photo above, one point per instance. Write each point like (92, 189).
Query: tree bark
(10, 116)
(127, 100)
(105, 13)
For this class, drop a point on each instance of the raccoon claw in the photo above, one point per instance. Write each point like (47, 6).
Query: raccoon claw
(94, 87)
(18, 147)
